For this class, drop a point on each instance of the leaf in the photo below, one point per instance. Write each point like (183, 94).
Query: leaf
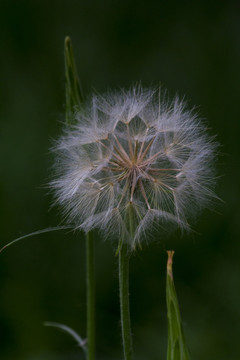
(74, 96)
(177, 348)
(81, 342)
(38, 232)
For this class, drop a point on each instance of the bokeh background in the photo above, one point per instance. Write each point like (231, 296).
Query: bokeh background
(189, 47)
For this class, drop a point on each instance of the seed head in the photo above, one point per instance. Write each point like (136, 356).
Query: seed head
(133, 161)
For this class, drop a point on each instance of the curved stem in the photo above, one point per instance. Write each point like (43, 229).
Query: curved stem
(124, 301)
(90, 277)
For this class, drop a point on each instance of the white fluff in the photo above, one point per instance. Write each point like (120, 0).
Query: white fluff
(132, 162)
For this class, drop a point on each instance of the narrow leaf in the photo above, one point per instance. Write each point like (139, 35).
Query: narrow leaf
(74, 96)
(38, 232)
(81, 342)
(177, 348)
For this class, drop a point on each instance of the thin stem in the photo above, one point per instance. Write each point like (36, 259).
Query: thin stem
(121, 148)
(144, 193)
(130, 143)
(124, 301)
(146, 150)
(90, 277)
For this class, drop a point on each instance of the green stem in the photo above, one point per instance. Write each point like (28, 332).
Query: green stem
(124, 301)
(90, 297)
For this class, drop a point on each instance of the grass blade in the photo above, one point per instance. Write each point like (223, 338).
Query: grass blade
(80, 341)
(177, 348)
(74, 95)
(38, 232)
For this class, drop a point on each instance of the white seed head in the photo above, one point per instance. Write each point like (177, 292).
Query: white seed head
(133, 161)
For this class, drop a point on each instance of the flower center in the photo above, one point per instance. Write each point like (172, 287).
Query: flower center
(132, 165)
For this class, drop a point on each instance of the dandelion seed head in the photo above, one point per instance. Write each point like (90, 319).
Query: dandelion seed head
(134, 161)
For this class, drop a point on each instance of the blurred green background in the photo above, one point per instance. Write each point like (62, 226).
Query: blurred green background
(189, 47)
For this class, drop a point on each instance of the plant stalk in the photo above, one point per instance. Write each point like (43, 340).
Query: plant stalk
(124, 257)
(90, 277)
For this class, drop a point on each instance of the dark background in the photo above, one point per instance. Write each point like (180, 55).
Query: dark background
(192, 48)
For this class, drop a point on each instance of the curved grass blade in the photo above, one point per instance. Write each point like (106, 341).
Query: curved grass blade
(38, 232)
(80, 341)
(177, 348)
